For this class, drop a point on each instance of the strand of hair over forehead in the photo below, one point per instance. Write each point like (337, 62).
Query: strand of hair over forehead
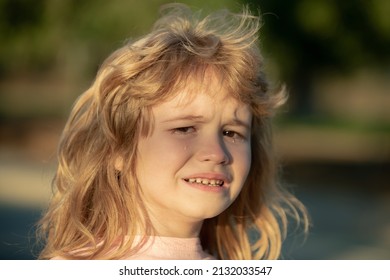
(236, 28)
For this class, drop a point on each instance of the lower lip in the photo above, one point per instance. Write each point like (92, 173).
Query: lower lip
(206, 188)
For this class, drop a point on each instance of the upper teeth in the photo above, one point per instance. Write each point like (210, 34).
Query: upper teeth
(210, 182)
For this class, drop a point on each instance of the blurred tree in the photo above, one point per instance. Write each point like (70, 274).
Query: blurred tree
(309, 37)
(51, 49)
(19, 21)
(306, 38)
(71, 37)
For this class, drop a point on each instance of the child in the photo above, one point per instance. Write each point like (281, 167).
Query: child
(168, 155)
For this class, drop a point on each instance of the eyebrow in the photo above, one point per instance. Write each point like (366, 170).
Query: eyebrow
(238, 122)
(185, 118)
(199, 118)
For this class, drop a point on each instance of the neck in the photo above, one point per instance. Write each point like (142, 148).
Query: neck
(175, 226)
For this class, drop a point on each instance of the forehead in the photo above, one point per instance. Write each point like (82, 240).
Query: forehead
(199, 86)
(205, 104)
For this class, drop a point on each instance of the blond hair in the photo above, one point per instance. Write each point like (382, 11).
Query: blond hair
(96, 209)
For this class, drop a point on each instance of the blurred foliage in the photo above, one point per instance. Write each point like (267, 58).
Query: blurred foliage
(327, 34)
(71, 37)
(304, 36)
(309, 38)
(47, 39)
(51, 49)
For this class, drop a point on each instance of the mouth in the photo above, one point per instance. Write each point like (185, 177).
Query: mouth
(205, 182)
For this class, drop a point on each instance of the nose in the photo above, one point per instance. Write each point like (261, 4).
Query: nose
(213, 149)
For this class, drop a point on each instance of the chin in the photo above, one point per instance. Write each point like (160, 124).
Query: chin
(208, 213)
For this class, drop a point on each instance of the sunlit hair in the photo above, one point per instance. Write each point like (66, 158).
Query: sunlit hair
(97, 210)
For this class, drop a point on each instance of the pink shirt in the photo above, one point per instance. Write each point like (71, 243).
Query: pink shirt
(168, 248)
(171, 248)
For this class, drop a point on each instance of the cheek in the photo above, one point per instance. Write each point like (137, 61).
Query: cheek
(162, 153)
(242, 157)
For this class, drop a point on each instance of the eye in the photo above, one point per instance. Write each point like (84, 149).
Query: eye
(184, 130)
(233, 135)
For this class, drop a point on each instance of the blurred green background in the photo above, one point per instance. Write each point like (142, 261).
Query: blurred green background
(332, 136)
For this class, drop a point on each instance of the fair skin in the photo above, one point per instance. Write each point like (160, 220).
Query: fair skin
(193, 164)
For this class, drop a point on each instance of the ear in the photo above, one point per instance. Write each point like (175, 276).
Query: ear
(118, 163)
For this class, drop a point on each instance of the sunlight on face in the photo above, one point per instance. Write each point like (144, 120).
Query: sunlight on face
(195, 161)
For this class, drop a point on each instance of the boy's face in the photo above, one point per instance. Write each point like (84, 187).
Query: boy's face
(195, 161)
